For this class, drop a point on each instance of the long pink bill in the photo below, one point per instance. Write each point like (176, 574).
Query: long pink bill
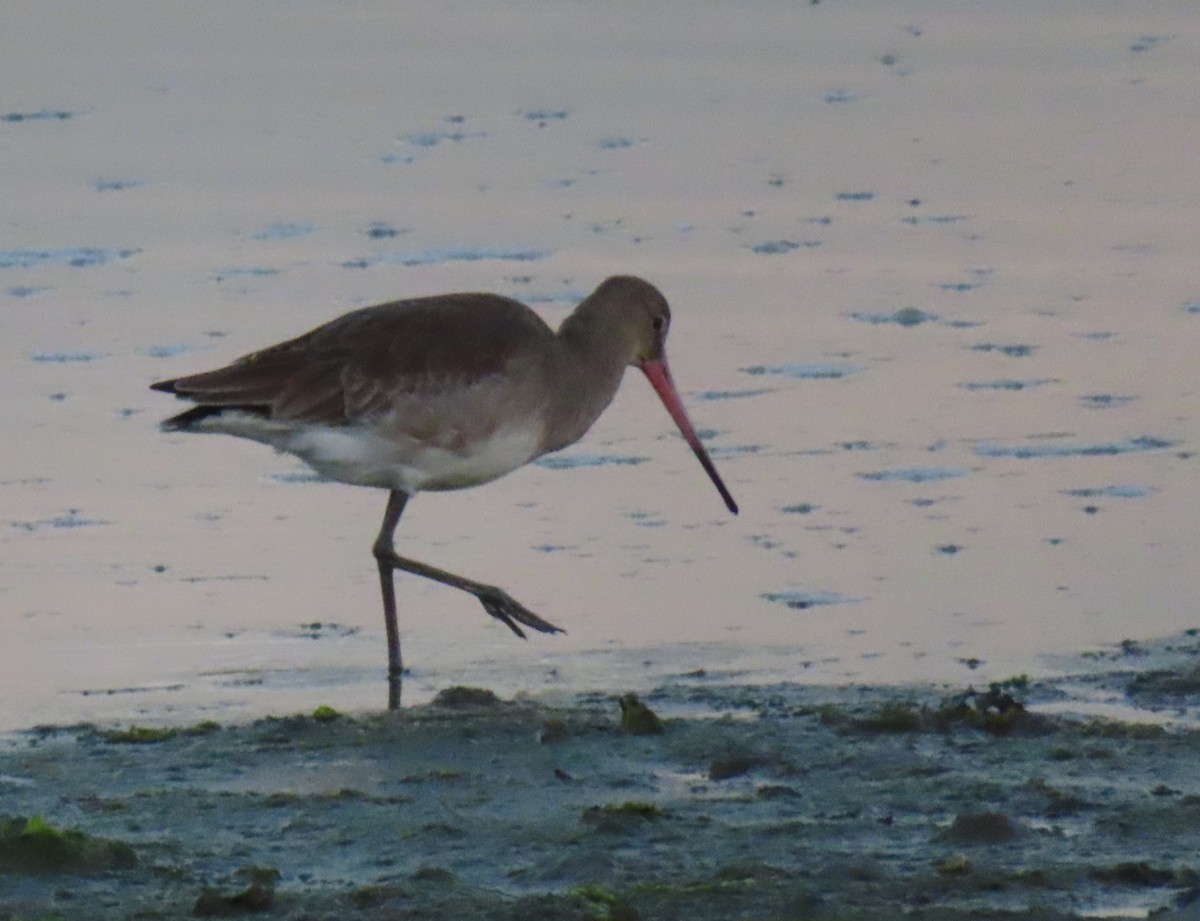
(659, 376)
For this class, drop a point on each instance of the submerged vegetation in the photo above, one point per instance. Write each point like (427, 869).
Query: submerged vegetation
(998, 710)
(33, 845)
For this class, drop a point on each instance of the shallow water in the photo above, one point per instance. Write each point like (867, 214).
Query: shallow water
(932, 274)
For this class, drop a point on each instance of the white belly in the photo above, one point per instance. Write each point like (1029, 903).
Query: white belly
(364, 457)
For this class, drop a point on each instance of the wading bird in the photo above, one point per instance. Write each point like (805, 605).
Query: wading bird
(440, 393)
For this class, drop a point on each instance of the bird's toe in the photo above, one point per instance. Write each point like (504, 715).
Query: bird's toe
(511, 612)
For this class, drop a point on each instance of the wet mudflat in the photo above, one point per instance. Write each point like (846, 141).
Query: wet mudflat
(775, 802)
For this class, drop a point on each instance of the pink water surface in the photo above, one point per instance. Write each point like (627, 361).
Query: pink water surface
(933, 273)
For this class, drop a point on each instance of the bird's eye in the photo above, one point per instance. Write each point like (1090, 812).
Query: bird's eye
(659, 323)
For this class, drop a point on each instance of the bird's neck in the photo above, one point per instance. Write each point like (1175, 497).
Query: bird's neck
(591, 362)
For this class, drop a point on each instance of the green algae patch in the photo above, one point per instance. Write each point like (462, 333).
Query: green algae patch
(203, 728)
(954, 865)
(151, 735)
(460, 695)
(895, 716)
(603, 905)
(34, 846)
(621, 817)
(139, 735)
(325, 714)
(635, 809)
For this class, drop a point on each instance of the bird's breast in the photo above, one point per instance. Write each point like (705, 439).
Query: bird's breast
(479, 462)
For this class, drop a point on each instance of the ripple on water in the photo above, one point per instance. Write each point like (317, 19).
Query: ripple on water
(165, 351)
(915, 474)
(65, 357)
(1018, 350)
(1100, 449)
(646, 520)
(1111, 492)
(74, 256)
(572, 461)
(283, 231)
(1104, 400)
(779, 247)
(1008, 384)
(116, 185)
(731, 451)
(1149, 42)
(804, 371)
(292, 477)
(916, 219)
(378, 230)
(450, 254)
(42, 115)
(730, 394)
(905, 316)
(25, 290)
(802, 601)
(568, 296)
(72, 519)
(249, 271)
(429, 139)
(545, 115)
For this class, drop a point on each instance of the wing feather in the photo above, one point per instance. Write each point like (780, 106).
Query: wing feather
(361, 364)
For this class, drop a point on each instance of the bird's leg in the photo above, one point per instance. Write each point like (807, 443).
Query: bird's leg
(383, 546)
(495, 601)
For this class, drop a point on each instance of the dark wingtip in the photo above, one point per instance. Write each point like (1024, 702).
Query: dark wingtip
(187, 420)
(165, 386)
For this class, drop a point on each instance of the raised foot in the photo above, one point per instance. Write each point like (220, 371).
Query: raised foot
(502, 606)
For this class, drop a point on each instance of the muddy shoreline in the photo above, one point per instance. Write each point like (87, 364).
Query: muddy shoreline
(776, 802)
